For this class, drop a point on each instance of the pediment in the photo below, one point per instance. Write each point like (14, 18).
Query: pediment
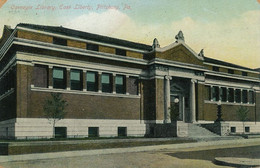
(180, 53)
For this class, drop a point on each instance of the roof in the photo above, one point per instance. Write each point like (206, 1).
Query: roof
(89, 36)
(214, 61)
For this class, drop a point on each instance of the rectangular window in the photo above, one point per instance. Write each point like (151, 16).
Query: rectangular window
(247, 129)
(238, 96)
(60, 132)
(120, 52)
(223, 94)
(230, 95)
(215, 93)
(121, 131)
(75, 80)
(40, 76)
(59, 41)
(233, 129)
(91, 78)
(120, 84)
(59, 78)
(244, 96)
(93, 132)
(251, 97)
(214, 68)
(244, 73)
(106, 83)
(230, 71)
(92, 47)
(132, 85)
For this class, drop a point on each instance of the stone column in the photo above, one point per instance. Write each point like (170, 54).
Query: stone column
(126, 85)
(67, 76)
(99, 82)
(167, 100)
(50, 80)
(114, 83)
(192, 102)
(84, 84)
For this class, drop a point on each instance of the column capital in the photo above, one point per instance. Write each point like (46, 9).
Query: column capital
(193, 81)
(167, 77)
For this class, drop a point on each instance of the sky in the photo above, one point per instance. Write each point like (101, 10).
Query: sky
(227, 30)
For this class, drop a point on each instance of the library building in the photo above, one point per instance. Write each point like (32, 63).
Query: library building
(115, 87)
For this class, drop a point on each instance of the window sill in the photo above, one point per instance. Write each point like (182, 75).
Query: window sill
(228, 103)
(82, 92)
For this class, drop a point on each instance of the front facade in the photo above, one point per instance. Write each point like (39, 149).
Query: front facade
(115, 87)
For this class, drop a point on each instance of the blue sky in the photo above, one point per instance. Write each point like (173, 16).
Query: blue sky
(226, 29)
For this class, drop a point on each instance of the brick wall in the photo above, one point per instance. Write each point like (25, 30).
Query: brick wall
(229, 112)
(34, 36)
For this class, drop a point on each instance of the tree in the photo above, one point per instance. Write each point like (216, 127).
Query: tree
(242, 113)
(54, 109)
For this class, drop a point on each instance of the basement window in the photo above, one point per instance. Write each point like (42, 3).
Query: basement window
(121, 131)
(247, 129)
(233, 129)
(93, 132)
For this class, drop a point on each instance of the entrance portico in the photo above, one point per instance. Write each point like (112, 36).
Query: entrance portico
(180, 95)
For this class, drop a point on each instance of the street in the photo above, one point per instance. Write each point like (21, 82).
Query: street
(163, 158)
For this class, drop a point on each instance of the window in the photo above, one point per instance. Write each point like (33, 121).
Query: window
(121, 131)
(214, 68)
(106, 83)
(132, 85)
(120, 84)
(233, 129)
(59, 80)
(238, 96)
(120, 52)
(230, 95)
(215, 93)
(40, 76)
(91, 78)
(247, 129)
(244, 96)
(230, 71)
(244, 73)
(59, 41)
(60, 132)
(251, 97)
(223, 94)
(93, 47)
(75, 80)
(93, 132)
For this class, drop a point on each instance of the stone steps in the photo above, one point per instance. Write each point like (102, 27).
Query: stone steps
(194, 130)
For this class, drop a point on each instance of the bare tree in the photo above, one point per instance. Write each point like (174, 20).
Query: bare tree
(242, 113)
(54, 109)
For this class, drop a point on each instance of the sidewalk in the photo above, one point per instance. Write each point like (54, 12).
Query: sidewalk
(41, 156)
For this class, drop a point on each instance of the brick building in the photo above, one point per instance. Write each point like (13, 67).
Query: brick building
(115, 87)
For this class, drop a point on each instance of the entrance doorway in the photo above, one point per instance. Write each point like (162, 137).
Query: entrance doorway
(180, 98)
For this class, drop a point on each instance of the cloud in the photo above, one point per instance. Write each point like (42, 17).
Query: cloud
(236, 41)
